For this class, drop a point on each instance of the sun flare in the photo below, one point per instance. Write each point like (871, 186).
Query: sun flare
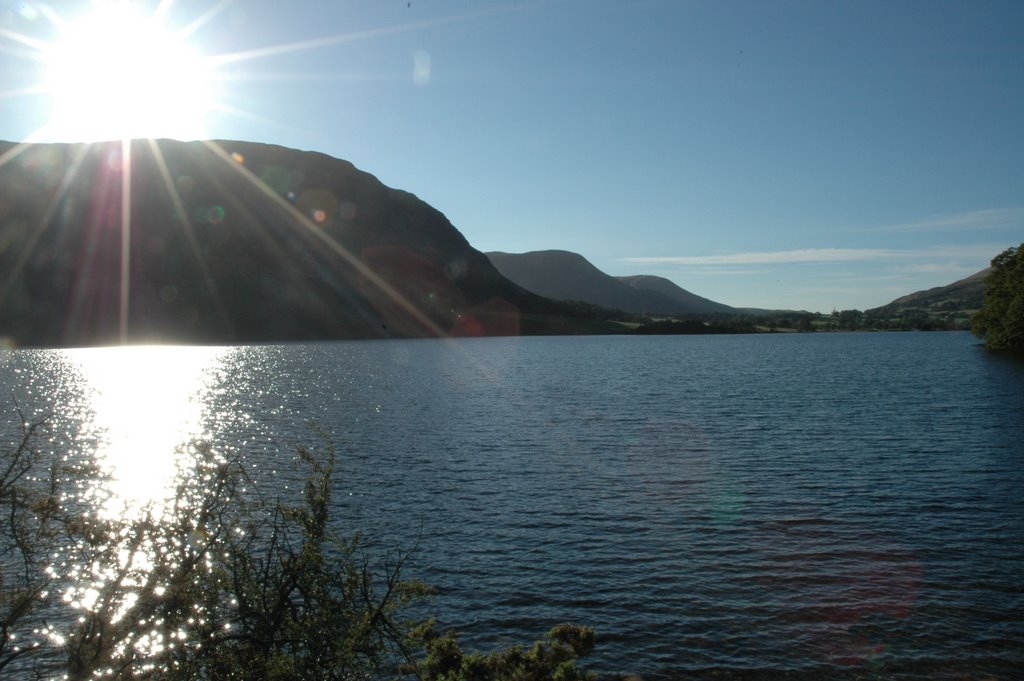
(117, 73)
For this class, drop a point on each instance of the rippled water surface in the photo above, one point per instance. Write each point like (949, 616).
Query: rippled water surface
(790, 505)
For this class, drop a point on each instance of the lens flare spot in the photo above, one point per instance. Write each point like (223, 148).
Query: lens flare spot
(319, 204)
(421, 68)
(347, 210)
(456, 268)
(27, 11)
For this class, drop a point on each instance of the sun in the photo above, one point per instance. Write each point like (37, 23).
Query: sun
(118, 73)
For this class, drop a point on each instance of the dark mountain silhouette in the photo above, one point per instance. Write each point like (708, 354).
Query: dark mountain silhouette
(959, 299)
(234, 241)
(564, 275)
(239, 242)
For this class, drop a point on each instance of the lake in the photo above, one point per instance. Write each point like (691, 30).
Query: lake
(790, 505)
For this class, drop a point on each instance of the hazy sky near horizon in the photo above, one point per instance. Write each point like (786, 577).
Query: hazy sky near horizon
(805, 155)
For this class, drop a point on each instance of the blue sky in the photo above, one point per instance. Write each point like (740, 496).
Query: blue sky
(807, 155)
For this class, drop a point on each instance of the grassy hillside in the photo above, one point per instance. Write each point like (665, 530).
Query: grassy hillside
(951, 305)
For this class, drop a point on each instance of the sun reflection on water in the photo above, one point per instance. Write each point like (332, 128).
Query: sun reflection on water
(149, 472)
(147, 404)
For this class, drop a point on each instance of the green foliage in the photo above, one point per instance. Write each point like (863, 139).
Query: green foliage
(232, 585)
(225, 584)
(850, 320)
(691, 326)
(1000, 321)
(288, 599)
(553, 660)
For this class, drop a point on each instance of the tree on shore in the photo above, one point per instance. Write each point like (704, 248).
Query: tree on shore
(1000, 321)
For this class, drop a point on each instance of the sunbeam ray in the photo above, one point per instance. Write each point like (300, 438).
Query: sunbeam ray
(52, 16)
(247, 115)
(13, 153)
(335, 247)
(20, 53)
(126, 239)
(205, 18)
(354, 36)
(306, 76)
(186, 226)
(162, 8)
(40, 46)
(26, 91)
(62, 189)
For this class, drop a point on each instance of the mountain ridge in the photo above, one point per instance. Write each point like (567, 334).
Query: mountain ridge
(232, 241)
(667, 287)
(566, 275)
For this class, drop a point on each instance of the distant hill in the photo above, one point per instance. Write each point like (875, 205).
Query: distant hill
(953, 302)
(685, 301)
(564, 275)
(235, 242)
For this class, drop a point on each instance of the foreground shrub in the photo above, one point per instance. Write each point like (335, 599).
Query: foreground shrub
(554, 659)
(27, 518)
(225, 583)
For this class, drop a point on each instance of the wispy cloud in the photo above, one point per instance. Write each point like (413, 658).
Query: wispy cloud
(815, 255)
(990, 218)
(771, 257)
(950, 269)
(725, 271)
